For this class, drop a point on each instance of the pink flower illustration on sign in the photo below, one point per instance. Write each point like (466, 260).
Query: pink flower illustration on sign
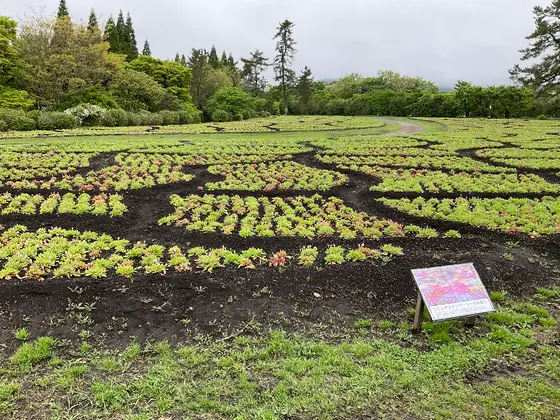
(451, 287)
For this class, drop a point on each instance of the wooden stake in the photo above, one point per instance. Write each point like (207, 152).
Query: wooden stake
(419, 315)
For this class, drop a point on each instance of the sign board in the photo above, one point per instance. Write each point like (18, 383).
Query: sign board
(452, 291)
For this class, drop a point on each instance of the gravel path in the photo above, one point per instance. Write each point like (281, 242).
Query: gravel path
(406, 127)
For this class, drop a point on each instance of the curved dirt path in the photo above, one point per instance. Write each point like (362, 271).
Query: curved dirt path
(406, 127)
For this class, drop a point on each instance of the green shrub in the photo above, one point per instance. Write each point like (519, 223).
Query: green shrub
(134, 119)
(115, 118)
(56, 121)
(154, 119)
(3, 126)
(185, 117)
(238, 117)
(543, 117)
(16, 120)
(221, 116)
(170, 117)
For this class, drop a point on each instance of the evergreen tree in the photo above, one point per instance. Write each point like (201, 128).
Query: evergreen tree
(285, 52)
(198, 62)
(253, 68)
(129, 40)
(62, 9)
(109, 29)
(184, 60)
(111, 35)
(213, 59)
(177, 58)
(120, 35)
(543, 52)
(93, 24)
(146, 50)
(304, 86)
(224, 59)
(231, 63)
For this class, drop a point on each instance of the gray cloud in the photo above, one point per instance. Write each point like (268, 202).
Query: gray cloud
(441, 40)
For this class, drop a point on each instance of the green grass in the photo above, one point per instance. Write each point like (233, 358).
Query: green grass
(366, 369)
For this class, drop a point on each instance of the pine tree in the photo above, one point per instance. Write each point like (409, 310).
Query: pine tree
(231, 63)
(184, 60)
(285, 52)
(177, 58)
(253, 68)
(93, 24)
(213, 58)
(62, 9)
(224, 59)
(543, 52)
(304, 86)
(146, 51)
(109, 30)
(112, 36)
(129, 41)
(198, 62)
(117, 45)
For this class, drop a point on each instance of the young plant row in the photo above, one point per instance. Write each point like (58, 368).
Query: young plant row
(61, 161)
(33, 168)
(230, 146)
(97, 205)
(274, 176)
(428, 162)
(254, 125)
(135, 172)
(426, 181)
(512, 215)
(530, 163)
(307, 217)
(58, 252)
(370, 145)
(517, 153)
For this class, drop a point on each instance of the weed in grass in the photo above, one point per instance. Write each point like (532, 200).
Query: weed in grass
(22, 334)
(544, 294)
(512, 244)
(131, 352)
(385, 324)
(33, 353)
(8, 390)
(530, 309)
(363, 324)
(510, 318)
(498, 296)
(108, 364)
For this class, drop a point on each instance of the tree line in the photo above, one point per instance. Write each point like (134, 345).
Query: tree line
(54, 66)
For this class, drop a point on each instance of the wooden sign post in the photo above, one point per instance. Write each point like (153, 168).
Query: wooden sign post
(450, 292)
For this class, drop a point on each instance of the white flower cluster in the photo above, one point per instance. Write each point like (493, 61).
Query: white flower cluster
(87, 114)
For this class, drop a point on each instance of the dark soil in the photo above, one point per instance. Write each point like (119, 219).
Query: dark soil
(175, 307)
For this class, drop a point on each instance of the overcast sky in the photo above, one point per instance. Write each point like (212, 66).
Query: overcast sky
(441, 40)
